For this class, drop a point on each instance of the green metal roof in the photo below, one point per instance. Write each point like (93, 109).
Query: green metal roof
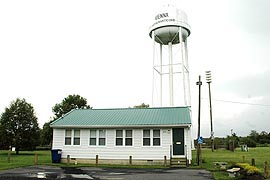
(165, 116)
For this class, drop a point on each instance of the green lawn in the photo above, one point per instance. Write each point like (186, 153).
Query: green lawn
(260, 154)
(25, 158)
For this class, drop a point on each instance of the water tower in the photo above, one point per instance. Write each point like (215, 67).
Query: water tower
(169, 33)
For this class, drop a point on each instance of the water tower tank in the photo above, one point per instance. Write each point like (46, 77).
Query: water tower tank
(169, 22)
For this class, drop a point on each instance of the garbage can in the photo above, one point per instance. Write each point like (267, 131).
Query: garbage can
(56, 155)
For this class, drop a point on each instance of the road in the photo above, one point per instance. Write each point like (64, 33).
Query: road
(50, 172)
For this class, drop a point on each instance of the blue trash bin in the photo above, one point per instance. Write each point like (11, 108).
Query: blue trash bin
(56, 155)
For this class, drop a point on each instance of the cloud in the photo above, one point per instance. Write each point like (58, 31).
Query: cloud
(251, 16)
(253, 110)
(253, 118)
(252, 85)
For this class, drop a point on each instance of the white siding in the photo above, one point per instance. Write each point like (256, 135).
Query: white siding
(58, 138)
(111, 151)
(188, 143)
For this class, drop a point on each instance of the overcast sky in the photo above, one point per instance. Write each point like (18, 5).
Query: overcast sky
(101, 50)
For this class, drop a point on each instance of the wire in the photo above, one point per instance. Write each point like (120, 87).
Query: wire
(237, 102)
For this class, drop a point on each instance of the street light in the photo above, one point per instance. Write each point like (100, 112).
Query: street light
(209, 80)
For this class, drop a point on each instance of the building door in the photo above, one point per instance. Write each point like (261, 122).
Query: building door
(178, 141)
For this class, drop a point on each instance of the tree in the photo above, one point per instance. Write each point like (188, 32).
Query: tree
(4, 141)
(46, 134)
(142, 106)
(263, 138)
(254, 135)
(232, 142)
(67, 104)
(19, 126)
(248, 141)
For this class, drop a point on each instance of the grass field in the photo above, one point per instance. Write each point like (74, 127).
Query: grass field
(260, 154)
(25, 158)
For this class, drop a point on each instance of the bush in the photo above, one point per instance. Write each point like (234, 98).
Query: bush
(232, 142)
(249, 172)
(249, 142)
(263, 145)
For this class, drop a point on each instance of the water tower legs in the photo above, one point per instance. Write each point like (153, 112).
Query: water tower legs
(170, 73)
(188, 96)
(160, 56)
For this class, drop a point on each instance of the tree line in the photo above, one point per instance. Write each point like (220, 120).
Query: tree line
(233, 141)
(19, 125)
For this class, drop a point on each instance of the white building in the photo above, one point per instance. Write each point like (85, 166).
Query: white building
(147, 135)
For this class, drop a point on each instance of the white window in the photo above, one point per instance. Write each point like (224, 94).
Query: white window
(151, 137)
(146, 137)
(72, 137)
(97, 137)
(76, 139)
(156, 137)
(119, 138)
(68, 137)
(121, 135)
(128, 139)
(93, 137)
(102, 137)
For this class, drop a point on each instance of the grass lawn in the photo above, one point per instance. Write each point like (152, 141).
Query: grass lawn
(260, 154)
(25, 158)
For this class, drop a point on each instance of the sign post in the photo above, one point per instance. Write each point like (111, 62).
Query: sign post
(200, 140)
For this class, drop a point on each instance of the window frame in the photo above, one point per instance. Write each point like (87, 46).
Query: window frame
(73, 138)
(69, 137)
(76, 138)
(129, 138)
(157, 138)
(119, 137)
(146, 138)
(101, 137)
(97, 137)
(126, 138)
(152, 138)
(94, 137)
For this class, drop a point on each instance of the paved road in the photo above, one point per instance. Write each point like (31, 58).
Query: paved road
(50, 172)
(148, 174)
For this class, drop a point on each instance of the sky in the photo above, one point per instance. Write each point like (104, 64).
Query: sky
(102, 51)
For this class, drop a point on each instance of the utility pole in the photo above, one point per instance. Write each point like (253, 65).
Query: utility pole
(199, 154)
(209, 80)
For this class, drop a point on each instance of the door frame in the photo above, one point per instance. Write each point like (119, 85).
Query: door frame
(184, 138)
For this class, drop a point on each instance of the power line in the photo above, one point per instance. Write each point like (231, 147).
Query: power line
(238, 102)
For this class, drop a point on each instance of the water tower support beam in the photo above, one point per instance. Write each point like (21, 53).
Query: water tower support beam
(160, 56)
(170, 74)
(182, 45)
(187, 69)
(154, 54)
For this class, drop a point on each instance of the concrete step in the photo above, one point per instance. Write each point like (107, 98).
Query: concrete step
(178, 162)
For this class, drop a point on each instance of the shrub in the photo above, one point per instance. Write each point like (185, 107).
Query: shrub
(249, 142)
(249, 172)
